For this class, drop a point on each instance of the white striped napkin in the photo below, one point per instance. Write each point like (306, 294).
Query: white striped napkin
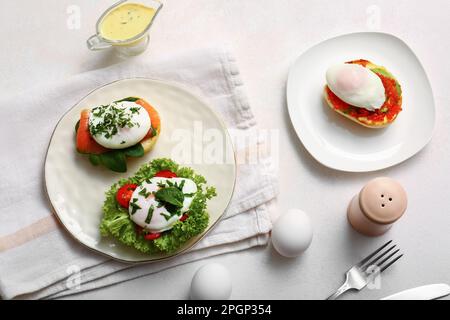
(37, 257)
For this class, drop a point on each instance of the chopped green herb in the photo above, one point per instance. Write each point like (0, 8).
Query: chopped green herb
(166, 216)
(149, 214)
(153, 132)
(189, 195)
(112, 117)
(161, 184)
(134, 207)
(134, 110)
(144, 193)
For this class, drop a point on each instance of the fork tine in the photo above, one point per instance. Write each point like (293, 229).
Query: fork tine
(391, 263)
(378, 257)
(379, 264)
(363, 261)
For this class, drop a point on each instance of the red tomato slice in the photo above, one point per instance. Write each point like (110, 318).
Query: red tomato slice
(166, 174)
(152, 236)
(124, 194)
(184, 217)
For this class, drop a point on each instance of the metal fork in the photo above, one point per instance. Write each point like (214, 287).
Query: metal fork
(361, 274)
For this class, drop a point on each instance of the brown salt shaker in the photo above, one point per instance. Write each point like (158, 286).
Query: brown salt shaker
(378, 205)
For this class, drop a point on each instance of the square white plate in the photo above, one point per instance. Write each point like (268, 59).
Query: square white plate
(341, 144)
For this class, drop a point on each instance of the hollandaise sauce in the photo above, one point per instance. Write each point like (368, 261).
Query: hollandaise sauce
(126, 21)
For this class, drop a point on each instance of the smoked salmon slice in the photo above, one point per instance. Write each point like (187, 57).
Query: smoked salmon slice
(85, 142)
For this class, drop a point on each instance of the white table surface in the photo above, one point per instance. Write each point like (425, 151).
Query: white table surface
(266, 37)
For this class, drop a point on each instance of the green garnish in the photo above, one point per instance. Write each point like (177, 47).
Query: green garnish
(131, 99)
(134, 110)
(144, 193)
(189, 195)
(170, 195)
(134, 207)
(112, 117)
(149, 214)
(153, 132)
(77, 125)
(161, 184)
(95, 159)
(166, 216)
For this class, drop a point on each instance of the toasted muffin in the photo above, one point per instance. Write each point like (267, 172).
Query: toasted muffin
(379, 118)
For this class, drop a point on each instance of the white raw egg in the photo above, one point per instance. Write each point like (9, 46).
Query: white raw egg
(292, 233)
(211, 282)
(356, 85)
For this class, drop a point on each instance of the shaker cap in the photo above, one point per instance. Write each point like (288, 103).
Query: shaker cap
(383, 200)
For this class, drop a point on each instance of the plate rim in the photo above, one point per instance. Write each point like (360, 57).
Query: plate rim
(190, 90)
(375, 167)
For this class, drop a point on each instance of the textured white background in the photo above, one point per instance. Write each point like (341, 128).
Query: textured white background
(266, 37)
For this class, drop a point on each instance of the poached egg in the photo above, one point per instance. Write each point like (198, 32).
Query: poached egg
(356, 85)
(148, 213)
(119, 125)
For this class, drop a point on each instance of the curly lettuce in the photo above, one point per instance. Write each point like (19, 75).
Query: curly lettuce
(116, 221)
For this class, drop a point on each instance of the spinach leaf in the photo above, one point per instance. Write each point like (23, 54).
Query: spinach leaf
(114, 160)
(170, 195)
(131, 99)
(77, 125)
(95, 159)
(134, 151)
(153, 133)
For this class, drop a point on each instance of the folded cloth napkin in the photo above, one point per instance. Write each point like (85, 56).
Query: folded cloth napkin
(38, 259)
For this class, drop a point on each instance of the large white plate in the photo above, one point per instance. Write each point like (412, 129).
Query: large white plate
(337, 142)
(76, 188)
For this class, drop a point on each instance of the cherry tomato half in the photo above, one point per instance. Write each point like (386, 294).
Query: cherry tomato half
(184, 217)
(124, 194)
(152, 236)
(166, 174)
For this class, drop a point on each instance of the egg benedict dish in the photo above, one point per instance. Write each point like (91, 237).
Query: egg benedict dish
(158, 209)
(364, 93)
(110, 133)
